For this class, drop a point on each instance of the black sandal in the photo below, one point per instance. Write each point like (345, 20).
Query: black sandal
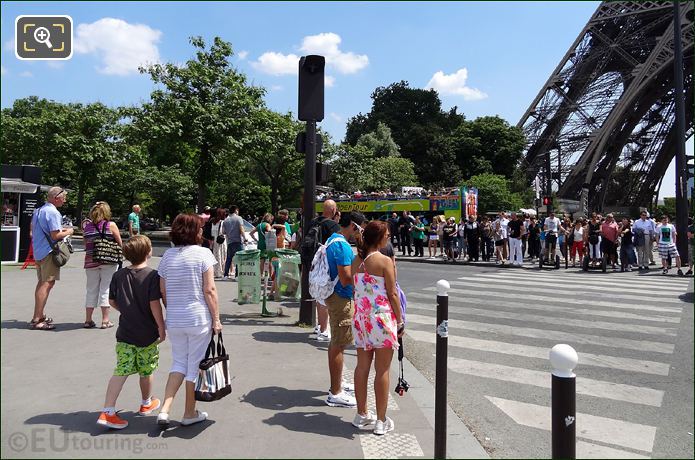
(89, 325)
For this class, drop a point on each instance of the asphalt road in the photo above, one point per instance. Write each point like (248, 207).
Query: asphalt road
(633, 333)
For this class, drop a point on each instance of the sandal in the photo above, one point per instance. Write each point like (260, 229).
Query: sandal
(89, 325)
(45, 319)
(42, 326)
(106, 324)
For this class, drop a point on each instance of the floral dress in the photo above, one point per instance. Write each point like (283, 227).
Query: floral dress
(374, 324)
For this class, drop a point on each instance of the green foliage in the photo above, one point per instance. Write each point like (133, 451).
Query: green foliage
(380, 142)
(494, 193)
(392, 173)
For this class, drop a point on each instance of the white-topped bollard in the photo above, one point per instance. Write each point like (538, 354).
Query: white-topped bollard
(443, 287)
(563, 359)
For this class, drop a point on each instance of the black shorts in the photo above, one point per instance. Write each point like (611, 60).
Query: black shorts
(499, 243)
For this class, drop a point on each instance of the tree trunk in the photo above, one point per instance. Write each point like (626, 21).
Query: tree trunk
(203, 176)
(274, 187)
(81, 185)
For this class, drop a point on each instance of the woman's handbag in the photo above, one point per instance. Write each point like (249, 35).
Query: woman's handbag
(220, 235)
(60, 250)
(213, 381)
(106, 251)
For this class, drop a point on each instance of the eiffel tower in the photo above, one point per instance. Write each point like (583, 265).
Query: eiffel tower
(604, 122)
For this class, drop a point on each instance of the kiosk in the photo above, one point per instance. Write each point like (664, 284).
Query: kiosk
(21, 187)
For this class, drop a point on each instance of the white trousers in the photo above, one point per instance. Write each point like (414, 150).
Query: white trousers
(98, 282)
(515, 254)
(220, 253)
(188, 347)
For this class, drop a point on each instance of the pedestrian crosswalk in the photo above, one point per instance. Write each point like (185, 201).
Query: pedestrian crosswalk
(502, 324)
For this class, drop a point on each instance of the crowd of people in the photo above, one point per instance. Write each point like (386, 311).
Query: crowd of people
(407, 193)
(363, 304)
(512, 238)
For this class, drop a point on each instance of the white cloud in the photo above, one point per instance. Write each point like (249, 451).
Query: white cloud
(121, 46)
(336, 117)
(3, 70)
(328, 81)
(277, 88)
(327, 44)
(9, 45)
(277, 63)
(455, 84)
(55, 64)
(242, 54)
(26, 74)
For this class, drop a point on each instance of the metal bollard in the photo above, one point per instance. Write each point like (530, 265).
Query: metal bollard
(441, 369)
(563, 359)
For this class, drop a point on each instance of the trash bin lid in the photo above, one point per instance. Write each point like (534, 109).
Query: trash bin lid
(286, 252)
(249, 253)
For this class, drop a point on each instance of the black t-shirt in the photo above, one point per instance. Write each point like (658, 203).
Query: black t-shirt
(406, 223)
(514, 228)
(133, 289)
(449, 232)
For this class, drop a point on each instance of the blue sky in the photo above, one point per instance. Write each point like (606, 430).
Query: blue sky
(507, 49)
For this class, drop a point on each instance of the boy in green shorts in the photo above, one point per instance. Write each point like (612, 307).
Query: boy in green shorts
(135, 293)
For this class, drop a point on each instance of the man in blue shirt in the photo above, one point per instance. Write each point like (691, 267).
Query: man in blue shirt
(46, 223)
(340, 306)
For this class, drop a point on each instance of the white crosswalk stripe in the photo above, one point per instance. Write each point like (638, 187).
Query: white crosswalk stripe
(498, 317)
(477, 298)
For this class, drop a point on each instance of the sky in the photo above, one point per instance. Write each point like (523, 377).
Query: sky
(486, 58)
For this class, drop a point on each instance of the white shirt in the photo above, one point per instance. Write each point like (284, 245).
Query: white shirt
(182, 269)
(578, 234)
(551, 224)
(666, 233)
(646, 225)
(504, 226)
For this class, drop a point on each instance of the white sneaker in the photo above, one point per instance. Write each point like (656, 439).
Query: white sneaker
(201, 416)
(361, 421)
(225, 278)
(324, 336)
(163, 418)
(347, 386)
(381, 428)
(342, 399)
(317, 329)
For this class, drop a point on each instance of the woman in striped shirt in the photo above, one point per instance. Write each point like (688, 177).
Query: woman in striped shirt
(188, 290)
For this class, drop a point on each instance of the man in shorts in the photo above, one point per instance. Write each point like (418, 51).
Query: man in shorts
(666, 234)
(47, 229)
(340, 306)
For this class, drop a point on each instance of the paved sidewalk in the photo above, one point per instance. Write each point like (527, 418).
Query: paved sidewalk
(53, 387)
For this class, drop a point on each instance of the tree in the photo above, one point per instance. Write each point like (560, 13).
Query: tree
(272, 152)
(206, 104)
(494, 193)
(488, 145)
(392, 173)
(380, 142)
(351, 168)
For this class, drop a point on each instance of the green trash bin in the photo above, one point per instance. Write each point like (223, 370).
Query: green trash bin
(288, 275)
(249, 279)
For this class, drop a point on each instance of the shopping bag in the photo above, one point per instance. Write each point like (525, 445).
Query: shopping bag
(213, 381)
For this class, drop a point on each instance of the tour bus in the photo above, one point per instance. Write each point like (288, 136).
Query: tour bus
(455, 202)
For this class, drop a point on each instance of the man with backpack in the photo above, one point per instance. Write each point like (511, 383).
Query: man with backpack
(330, 282)
(320, 230)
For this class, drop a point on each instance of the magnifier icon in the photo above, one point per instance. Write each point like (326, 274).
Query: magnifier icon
(42, 35)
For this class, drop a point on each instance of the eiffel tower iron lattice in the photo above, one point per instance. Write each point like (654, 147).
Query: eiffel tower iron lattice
(605, 119)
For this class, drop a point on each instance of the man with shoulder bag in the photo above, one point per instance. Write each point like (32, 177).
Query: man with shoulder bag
(50, 252)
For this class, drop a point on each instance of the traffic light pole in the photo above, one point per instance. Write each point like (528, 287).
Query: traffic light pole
(306, 309)
(681, 162)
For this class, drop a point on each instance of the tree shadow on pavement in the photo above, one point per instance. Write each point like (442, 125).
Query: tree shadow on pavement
(250, 319)
(86, 422)
(278, 398)
(59, 327)
(288, 337)
(319, 423)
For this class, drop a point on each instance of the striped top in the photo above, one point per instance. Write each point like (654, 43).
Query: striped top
(90, 233)
(182, 269)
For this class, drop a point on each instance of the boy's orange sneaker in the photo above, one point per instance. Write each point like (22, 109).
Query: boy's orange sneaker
(153, 406)
(112, 421)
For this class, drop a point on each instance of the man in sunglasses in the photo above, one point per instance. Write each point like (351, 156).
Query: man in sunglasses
(47, 223)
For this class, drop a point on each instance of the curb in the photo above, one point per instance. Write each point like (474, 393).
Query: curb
(460, 442)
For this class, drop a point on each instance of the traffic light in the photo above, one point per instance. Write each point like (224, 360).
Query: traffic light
(547, 201)
(311, 82)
